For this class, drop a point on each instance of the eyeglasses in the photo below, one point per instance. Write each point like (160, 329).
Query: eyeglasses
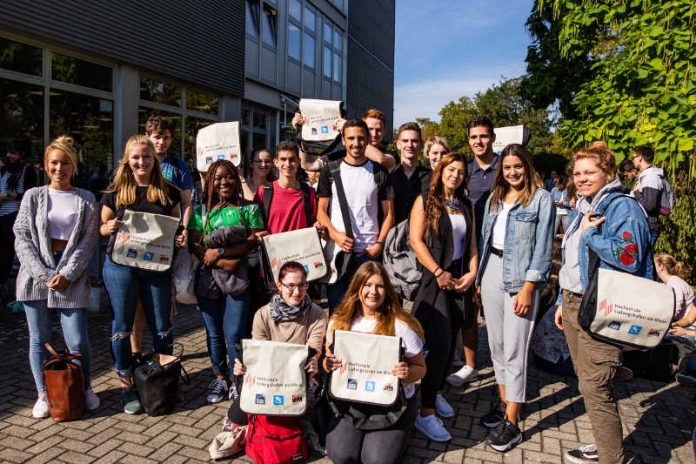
(291, 287)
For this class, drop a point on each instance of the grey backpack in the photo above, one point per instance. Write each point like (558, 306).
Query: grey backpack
(400, 261)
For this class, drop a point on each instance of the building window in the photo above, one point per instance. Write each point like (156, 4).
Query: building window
(80, 72)
(294, 41)
(252, 18)
(22, 117)
(309, 40)
(295, 9)
(21, 58)
(159, 91)
(201, 101)
(269, 28)
(327, 54)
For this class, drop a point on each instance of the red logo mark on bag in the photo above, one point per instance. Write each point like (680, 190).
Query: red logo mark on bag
(122, 237)
(606, 308)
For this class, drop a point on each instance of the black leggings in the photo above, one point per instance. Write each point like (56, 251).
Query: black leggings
(441, 322)
(347, 445)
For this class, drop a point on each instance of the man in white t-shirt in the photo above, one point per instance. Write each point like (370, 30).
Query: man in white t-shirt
(369, 199)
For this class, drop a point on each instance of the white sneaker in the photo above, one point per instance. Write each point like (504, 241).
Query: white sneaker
(431, 426)
(92, 401)
(443, 408)
(464, 375)
(40, 409)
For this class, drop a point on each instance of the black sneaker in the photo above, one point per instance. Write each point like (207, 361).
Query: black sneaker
(504, 437)
(494, 417)
(582, 455)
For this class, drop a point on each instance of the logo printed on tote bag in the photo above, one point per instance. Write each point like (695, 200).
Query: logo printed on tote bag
(369, 386)
(296, 398)
(614, 325)
(260, 399)
(123, 237)
(388, 387)
(654, 333)
(148, 256)
(605, 307)
(132, 253)
(352, 384)
(635, 329)
(278, 400)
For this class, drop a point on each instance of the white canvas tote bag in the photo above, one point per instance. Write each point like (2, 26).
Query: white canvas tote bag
(369, 360)
(275, 382)
(145, 241)
(300, 245)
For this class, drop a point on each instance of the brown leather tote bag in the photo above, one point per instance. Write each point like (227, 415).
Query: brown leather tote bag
(65, 391)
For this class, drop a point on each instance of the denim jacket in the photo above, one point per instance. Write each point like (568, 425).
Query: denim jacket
(622, 241)
(528, 241)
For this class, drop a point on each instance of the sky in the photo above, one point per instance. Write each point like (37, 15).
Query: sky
(446, 49)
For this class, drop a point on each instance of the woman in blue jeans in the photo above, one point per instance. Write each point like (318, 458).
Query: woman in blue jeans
(55, 236)
(225, 313)
(139, 186)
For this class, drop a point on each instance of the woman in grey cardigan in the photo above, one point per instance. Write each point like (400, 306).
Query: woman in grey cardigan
(56, 234)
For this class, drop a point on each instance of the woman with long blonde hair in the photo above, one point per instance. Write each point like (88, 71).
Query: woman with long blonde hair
(371, 305)
(138, 185)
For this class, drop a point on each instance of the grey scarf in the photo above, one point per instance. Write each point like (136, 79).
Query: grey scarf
(280, 309)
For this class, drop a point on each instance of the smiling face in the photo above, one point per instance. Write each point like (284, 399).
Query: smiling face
(376, 127)
(355, 141)
(59, 167)
(588, 177)
(293, 288)
(409, 144)
(141, 160)
(262, 163)
(162, 141)
(481, 140)
(435, 154)
(514, 172)
(453, 175)
(225, 183)
(287, 163)
(372, 294)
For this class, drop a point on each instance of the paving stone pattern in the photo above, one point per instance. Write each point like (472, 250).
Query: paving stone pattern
(658, 418)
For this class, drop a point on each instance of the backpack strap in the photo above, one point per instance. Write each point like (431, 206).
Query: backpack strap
(335, 170)
(306, 202)
(267, 199)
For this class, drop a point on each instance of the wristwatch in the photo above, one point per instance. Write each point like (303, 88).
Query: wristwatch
(221, 251)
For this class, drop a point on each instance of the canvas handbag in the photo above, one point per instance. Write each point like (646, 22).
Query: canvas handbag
(65, 391)
(184, 276)
(301, 245)
(219, 141)
(145, 241)
(367, 378)
(156, 379)
(624, 309)
(275, 381)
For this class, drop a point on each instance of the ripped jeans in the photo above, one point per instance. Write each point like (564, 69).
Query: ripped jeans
(124, 285)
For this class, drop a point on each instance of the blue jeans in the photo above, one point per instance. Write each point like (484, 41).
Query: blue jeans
(335, 291)
(125, 285)
(74, 324)
(225, 320)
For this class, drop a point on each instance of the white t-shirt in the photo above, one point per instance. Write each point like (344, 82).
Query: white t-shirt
(362, 197)
(684, 295)
(498, 241)
(458, 234)
(410, 340)
(63, 209)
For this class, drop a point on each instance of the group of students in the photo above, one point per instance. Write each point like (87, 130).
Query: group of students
(482, 232)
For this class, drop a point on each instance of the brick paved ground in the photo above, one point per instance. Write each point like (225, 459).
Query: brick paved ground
(658, 418)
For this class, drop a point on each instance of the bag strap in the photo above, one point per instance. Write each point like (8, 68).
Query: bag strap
(307, 203)
(335, 170)
(51, 350)
(267, 199)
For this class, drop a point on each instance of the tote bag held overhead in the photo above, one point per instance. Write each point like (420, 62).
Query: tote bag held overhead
(145, 241)
(369, 360)
(275, 382)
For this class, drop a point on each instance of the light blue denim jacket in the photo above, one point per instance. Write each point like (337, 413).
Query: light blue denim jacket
(622, 242)
(528, 242)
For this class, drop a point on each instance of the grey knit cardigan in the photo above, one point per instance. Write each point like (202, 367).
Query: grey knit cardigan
(33, 248)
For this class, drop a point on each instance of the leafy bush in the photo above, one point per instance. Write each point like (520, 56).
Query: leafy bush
(678, 237)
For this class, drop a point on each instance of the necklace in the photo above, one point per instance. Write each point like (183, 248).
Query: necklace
(455, 205)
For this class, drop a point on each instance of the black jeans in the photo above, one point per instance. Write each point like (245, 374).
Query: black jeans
(441, 322)
(7, 250)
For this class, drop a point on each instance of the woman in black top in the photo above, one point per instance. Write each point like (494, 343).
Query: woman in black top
(138, 185)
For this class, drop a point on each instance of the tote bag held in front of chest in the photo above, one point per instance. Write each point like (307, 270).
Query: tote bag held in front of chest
(274, 383)
(626, 310)
(145, 241)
